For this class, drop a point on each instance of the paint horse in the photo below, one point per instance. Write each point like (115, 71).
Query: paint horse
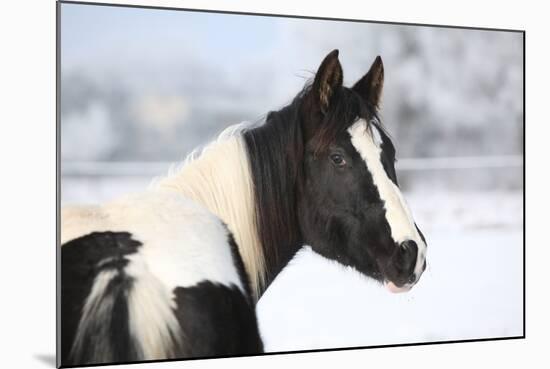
(175, 272)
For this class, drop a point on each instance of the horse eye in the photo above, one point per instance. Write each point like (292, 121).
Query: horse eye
(338, 160)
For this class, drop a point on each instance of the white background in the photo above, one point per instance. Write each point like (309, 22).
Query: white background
(27, 76)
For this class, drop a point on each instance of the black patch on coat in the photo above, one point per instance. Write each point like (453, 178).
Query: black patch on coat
(217, 320)
(239, 264)
(82, 260)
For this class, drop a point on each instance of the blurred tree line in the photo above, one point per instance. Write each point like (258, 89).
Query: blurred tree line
(448, 92)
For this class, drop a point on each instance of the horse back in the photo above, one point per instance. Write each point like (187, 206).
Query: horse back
(152, 276)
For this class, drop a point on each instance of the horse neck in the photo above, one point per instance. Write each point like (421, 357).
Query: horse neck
(220, 180)
(275, 151)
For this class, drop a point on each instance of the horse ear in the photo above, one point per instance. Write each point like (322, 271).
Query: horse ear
(370, 86)
(328, 79)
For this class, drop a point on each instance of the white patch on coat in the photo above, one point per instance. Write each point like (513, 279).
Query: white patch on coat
(219, 178)
(153, 327)
(182, 242)
(152, 323)
(96, 317)
(398, 214)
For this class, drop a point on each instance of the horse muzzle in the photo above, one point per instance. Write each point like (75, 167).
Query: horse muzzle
(402, 271)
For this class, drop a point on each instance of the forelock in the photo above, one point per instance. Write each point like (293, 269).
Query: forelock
(348, 107)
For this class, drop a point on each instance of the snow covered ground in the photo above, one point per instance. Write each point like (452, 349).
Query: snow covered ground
(472, 288)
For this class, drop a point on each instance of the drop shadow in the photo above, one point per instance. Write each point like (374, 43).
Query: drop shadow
(47, 359)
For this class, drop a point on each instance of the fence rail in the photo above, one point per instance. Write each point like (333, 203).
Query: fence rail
(106, 168)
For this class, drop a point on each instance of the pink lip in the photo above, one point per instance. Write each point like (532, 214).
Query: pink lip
(393, 288)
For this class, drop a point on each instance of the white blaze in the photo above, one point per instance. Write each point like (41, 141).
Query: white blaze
(398, 214)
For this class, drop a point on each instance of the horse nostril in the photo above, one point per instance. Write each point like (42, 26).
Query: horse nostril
(405, 260)
(408, 251)
(408, 245)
